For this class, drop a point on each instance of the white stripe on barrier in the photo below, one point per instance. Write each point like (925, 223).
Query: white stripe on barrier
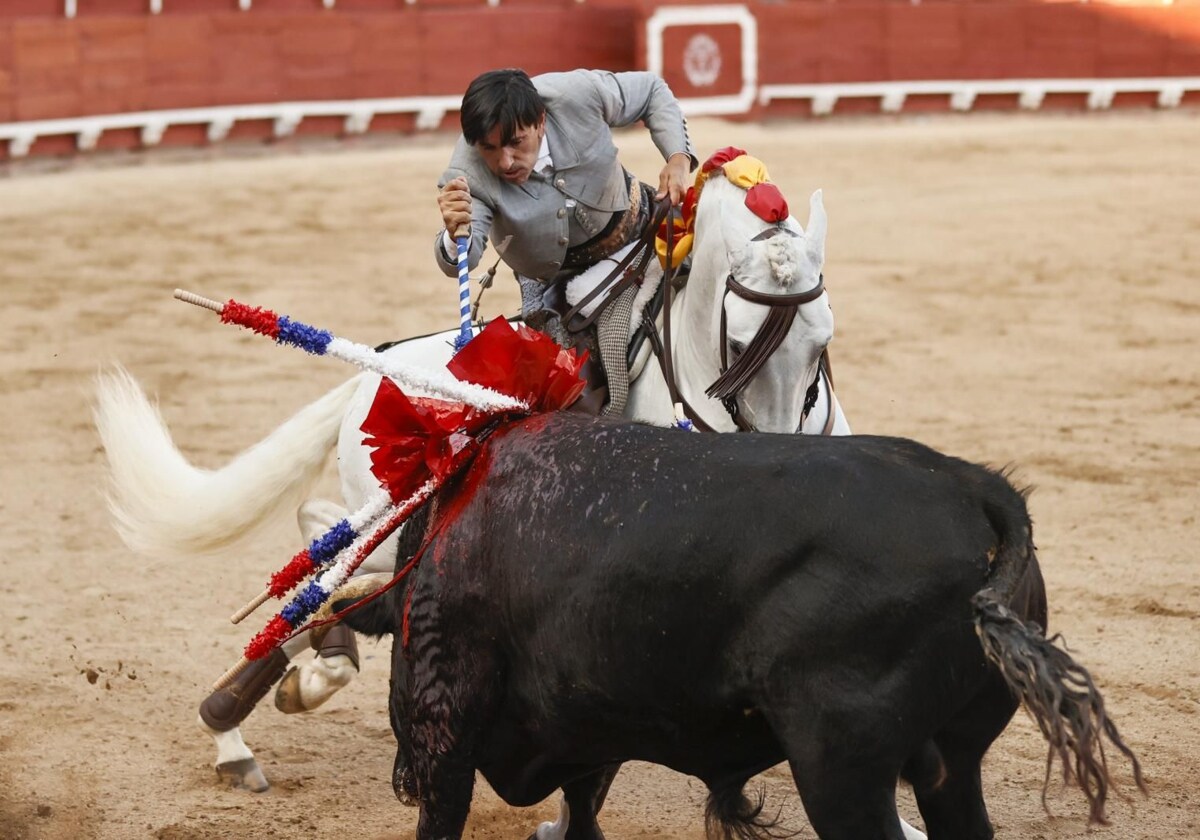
(285, 117)
(665, 17)
(431, 110)
(963, 94)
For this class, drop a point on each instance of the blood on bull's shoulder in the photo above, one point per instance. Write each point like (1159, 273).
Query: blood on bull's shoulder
(595, 592)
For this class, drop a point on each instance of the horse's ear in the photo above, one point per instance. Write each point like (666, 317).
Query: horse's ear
(814, 235)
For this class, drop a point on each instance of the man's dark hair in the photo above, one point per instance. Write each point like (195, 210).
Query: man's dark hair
(505, 98)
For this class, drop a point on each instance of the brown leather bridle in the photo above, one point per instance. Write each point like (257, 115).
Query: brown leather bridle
(768, 338)
(774, 329)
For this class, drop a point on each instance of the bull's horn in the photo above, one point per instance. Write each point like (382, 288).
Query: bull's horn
(357, 587)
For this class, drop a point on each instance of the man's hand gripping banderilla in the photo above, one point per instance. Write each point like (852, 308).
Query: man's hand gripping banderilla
(454, 201)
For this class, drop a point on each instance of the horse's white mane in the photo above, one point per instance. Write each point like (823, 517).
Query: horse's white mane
(782, 253)
(784, 257)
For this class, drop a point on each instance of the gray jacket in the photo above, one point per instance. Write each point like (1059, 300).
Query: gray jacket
(581, 106)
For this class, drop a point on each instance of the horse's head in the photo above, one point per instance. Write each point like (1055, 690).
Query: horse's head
(774, 319)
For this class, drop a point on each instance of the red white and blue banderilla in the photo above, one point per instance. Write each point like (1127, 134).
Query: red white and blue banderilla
(338, 554)
(351, 547)
(322, 552)
(284, 330)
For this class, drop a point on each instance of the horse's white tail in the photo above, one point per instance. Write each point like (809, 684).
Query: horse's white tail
(161, 503)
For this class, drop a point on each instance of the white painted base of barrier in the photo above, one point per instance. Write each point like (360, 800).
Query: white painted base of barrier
(431, 110)
(1030, 92)
(286, 116)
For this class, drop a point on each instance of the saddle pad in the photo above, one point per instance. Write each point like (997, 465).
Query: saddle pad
(579, 286)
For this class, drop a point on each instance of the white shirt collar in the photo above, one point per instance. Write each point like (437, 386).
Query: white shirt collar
(544, 164)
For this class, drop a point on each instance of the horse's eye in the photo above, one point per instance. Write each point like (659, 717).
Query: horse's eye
(737, 347)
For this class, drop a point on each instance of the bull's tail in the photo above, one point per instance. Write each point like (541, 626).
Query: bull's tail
(1057, 690)
(731, 815)
(161, 503)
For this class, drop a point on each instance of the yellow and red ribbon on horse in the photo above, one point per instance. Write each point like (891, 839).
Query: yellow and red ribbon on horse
(763, 199)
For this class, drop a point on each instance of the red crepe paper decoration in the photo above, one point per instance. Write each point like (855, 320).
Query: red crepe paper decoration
(767, 202)
(417, 439)
(269, 638)
(721, 157)
(256, 318)
(522, 363)
(414, 438)
(297, 569)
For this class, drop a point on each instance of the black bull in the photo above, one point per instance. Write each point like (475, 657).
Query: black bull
(863, 608)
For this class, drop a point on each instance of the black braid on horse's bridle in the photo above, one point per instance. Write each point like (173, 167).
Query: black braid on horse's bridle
(772, 332)
(765, 342)
(768, 338)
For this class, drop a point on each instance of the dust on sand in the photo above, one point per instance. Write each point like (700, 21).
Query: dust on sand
(1012, 289)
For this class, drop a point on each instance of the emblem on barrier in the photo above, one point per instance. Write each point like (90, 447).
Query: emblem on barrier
(702, 60)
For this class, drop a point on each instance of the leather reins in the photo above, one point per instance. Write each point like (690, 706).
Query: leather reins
(632, 266)
(783, 310)
(770, 335)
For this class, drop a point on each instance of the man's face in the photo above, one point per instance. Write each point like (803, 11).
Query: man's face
(513, 162)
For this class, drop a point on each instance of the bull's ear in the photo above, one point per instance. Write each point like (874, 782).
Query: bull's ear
(814, 236)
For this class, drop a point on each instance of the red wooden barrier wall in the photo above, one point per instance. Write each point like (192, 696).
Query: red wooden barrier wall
(115, 57)
(53, 67)
(873, 41)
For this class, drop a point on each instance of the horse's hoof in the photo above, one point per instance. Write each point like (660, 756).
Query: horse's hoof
(287, 693)
(243, 774)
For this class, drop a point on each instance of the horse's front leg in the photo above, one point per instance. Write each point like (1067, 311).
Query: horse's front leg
(582, 801)
(223, 711)
(309, 684)
(306, 686)
(235, 763)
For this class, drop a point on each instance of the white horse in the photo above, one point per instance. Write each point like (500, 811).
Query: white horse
(772, 401)
(161, 503)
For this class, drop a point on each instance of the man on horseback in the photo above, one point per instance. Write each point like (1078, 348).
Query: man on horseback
(536, 168)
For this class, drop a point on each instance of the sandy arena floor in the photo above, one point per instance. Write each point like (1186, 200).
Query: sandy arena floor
(1012, 289)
